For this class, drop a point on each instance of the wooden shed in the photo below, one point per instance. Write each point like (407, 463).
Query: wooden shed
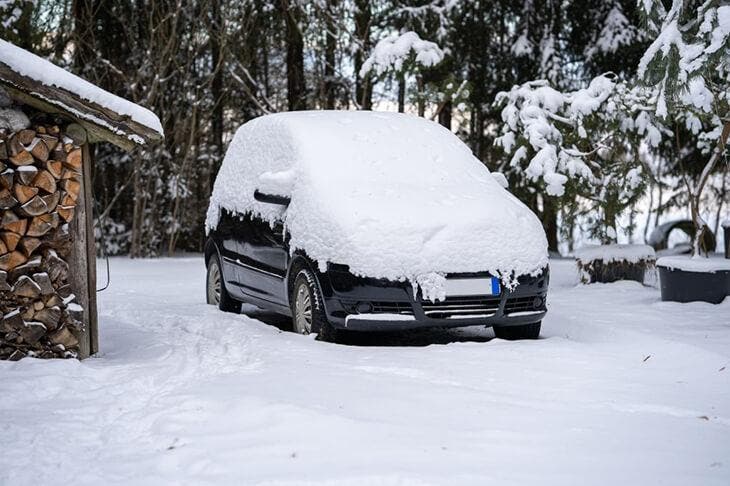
(49, 120)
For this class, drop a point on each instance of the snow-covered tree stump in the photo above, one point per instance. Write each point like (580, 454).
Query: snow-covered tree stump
(609, 263)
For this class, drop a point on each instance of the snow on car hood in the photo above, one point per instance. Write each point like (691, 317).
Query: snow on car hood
(390, 195)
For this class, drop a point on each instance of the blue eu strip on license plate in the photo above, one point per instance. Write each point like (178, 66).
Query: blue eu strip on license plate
(495, 286)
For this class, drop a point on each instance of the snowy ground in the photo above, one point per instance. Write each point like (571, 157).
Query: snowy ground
(623, 389)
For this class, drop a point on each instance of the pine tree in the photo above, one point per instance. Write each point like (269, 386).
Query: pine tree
(689, 64)
(585, 143)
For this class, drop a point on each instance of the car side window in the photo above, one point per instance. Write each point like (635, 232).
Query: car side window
(227, 223)
(267, 235)
(278, 232)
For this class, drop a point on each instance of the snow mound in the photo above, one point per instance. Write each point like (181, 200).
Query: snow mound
(34, 67)
(694, 264)
(615, 253)
(392, 196)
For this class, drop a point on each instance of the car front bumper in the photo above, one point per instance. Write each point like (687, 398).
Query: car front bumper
(397, 322)
(394, 307)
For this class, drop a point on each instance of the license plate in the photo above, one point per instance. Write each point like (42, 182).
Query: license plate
(472, 286)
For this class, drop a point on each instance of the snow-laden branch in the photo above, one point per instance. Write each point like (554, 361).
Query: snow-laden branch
(396, 50)
(691, 44)
(591, 140)
(551, 125)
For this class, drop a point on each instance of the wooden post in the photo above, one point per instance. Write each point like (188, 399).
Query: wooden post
(88, 156)
(82, 261)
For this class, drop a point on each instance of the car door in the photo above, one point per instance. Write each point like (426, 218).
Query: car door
(230, 232)
(264, 261)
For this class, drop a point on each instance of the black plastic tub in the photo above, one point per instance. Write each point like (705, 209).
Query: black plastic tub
(683, 286)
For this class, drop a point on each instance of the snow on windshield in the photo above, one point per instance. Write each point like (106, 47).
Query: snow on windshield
(390, 195)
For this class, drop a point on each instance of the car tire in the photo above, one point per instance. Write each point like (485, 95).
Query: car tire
(307, 309)
(215, 288)
(514, 333)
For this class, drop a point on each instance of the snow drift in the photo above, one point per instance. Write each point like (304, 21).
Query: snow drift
(392, 196)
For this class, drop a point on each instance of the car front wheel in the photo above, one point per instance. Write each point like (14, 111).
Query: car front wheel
(216, 293)
(308, 314)
(514, 333)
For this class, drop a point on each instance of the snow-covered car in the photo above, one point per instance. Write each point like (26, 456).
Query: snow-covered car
(371, 221)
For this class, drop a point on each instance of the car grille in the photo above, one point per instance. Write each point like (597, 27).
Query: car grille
(392, 308)
(519, 304)
(452, 307)
(460, 307)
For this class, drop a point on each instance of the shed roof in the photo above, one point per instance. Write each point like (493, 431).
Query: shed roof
(41, 84)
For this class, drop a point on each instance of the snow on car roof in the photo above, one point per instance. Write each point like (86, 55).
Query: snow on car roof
(391, 195)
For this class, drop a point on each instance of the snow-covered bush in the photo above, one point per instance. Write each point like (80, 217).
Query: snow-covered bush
(589, 143)
(689, 64)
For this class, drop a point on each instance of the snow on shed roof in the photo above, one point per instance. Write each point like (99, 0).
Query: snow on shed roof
(391, 195)
(40, 83)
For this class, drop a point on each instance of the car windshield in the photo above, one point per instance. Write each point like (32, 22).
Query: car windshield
(404, 174)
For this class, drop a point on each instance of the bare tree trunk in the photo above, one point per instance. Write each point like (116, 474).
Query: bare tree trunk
(550, 222)
(477, 131)
(650, 210)
(363, 85)
(401, 94)
(189, 154)
(630, 230)
(660, 204)
(265, 54)
(296, 90)
(571, 233)
(329, 55)
(83, 37)
(421, 102)
(25, 27)
(695, 196)
(445, 114)
(723, 196)
(216, 85)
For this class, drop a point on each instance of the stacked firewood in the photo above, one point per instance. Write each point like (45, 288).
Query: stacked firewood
(40, 183)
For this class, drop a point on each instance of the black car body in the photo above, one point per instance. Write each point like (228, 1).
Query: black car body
(258, 268)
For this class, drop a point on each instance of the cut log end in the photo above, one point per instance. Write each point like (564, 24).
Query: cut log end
(12, 260)
(22, 158)
(74, 159)
(44, 180)
(24, 193)
(10, 240)
(35, 207)
(26, 174)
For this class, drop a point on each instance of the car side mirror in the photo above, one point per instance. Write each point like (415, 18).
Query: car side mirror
(271, 198)
(500, 179)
